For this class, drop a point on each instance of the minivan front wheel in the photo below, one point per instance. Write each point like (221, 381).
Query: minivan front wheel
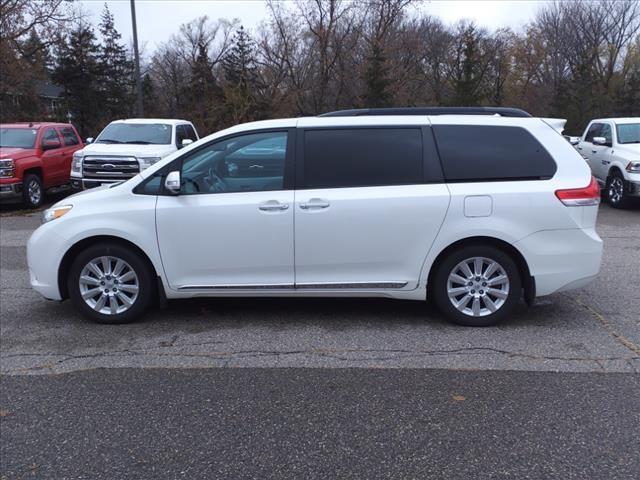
(477, 286)
(110, 284)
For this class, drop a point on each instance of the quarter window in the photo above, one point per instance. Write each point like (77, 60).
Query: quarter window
(483, 153)
(247, 163)
(336, 158)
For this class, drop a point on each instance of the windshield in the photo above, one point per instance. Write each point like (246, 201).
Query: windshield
(18, 137)
(138, 133)
(628, 133)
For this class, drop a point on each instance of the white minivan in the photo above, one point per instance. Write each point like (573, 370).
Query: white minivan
(473, 208)
(126, 147)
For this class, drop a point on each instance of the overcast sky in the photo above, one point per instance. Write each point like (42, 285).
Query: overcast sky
(158, 19)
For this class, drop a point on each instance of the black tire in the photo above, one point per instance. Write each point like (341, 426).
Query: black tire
(439, 289)
(616, 193)
(145, 283)
(32, 191)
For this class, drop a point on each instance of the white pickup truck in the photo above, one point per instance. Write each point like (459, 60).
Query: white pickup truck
(126, 147)
(611, 147)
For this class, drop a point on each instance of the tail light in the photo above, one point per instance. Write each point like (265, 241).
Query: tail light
(580, 197)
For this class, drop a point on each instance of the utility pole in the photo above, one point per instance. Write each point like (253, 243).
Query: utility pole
(139, 105)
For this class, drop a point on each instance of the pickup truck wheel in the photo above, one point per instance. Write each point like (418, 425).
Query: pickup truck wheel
(109, 283)
(32, 191)
(616, 191)
(477, 286)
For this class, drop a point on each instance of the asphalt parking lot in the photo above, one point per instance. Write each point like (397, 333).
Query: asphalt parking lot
(329, 388)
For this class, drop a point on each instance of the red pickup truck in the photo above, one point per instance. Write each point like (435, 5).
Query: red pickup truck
(34, 158)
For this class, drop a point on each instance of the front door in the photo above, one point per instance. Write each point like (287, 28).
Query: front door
(53, 159)
(231, 227)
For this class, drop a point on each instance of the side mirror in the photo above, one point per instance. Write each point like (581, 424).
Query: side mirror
(89, 140)
(172, 183)
(599, 140)
(50, 144)
(574, 140)
(186, 141)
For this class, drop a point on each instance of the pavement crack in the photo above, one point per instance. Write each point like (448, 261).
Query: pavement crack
(607, 325)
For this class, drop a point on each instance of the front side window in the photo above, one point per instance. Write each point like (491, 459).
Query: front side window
(594, 131)
(606, 133)
(246, 163)
(69, 136)
(361, 157)
(136, 133)
(49, 135)
(628, 133)
(18, 137)
(476, 153)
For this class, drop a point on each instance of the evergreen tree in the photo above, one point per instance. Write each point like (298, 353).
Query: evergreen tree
(467, 85)
(243, 87)
(376, 80)
(204, 92)
(77, 71)
(116, 71)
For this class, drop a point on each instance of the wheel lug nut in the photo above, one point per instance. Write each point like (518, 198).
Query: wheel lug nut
(481, 292)
(473, 291)
(115, 289)
(484, 284)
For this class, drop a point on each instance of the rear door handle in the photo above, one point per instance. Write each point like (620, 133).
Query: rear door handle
(314, 203)
(273, 206)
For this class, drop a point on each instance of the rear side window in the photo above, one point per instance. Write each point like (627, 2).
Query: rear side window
(476, 153)
(69, 136)
(336, 158)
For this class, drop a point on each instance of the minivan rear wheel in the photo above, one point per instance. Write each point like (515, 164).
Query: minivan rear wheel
(477, 286)
(110, 284)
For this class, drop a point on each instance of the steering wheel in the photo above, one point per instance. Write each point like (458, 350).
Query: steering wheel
(216, 183)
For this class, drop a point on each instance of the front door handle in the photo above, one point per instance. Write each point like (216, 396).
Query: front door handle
(273, 206)
(314, 203)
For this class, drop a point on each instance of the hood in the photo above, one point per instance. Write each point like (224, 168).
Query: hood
(128, 150)
(15, 153)
(630, 151)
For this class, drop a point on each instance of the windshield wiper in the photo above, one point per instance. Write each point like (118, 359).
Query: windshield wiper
(108, 140)
(140, 142)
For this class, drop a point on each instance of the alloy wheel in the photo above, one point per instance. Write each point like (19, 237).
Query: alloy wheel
(478, 286)
(109, 285)
(616, 190)
(34, 192)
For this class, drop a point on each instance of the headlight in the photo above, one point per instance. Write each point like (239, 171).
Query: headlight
(76, 163)
(55, 212)
(633, 167)
(7, 168)
(146, 162)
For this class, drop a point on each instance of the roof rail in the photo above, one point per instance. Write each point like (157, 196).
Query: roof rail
(361, 112)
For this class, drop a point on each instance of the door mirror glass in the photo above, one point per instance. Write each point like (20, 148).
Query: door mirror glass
(172, 182)
(50, 144)
(89, 140)
(186, 141)
(599, 140)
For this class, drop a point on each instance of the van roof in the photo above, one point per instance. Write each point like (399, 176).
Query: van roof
(429, 111)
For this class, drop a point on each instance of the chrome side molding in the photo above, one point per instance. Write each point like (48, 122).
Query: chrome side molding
(300, 286)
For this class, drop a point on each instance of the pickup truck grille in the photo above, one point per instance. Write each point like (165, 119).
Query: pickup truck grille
(108, 168)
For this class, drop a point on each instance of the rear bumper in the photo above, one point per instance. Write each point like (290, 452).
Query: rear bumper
(11, 192)
(562, 260)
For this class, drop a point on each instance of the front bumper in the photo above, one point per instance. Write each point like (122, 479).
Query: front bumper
(632, 188)
(11, 192)
(78, 184)
(45, 250)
